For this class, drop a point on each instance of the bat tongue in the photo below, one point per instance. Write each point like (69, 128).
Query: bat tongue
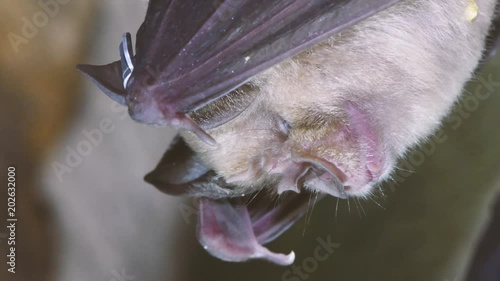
(225, 230)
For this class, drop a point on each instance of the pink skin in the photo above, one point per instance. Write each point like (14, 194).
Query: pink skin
(363, 131)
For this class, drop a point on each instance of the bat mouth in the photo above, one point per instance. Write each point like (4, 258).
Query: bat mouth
(235, 229)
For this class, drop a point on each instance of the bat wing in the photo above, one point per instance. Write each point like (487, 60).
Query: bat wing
(180, 172)
(190, 53)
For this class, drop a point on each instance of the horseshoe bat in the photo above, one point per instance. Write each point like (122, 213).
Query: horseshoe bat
(283, 100)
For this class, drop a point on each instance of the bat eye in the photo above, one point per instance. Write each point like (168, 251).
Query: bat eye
(285, 127)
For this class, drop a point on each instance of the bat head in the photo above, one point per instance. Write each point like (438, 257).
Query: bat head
(288, 143)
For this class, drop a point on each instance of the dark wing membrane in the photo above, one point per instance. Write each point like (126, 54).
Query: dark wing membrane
(202, 49)
(107, 78)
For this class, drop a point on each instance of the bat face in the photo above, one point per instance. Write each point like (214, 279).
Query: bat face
(291, 138)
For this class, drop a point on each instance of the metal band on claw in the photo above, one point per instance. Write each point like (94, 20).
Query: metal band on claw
(126, 55)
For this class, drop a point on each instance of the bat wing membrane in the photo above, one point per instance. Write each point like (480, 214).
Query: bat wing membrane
(107, 78)
(204, 49)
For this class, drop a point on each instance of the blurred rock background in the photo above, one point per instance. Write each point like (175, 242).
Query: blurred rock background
(39, 96)
(89, 216)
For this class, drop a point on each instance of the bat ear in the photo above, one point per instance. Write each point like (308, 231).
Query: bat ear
(108, 78)
(179, 170)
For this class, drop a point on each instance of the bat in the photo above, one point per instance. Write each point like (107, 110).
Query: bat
(281, 100)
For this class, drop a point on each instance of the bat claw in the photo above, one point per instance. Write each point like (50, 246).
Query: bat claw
(185, 122)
